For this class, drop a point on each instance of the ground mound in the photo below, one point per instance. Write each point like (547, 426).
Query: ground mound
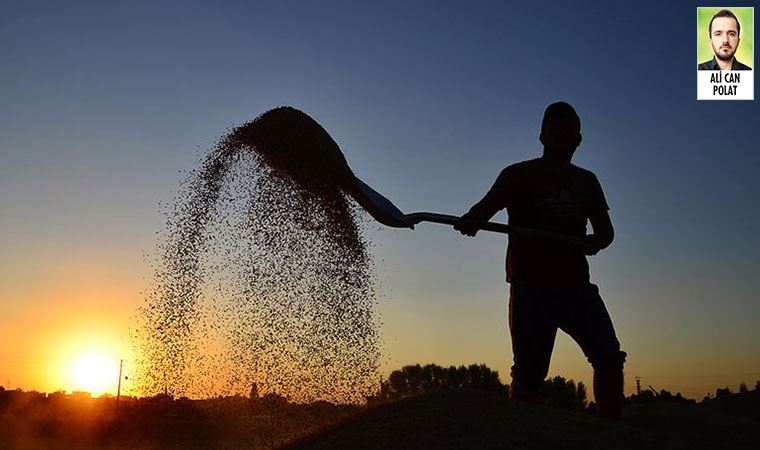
(473, 419)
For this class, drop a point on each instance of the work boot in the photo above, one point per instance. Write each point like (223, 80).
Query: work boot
(524, 393)
(608, 392)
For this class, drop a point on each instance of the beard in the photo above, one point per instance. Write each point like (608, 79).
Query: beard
(724, 56)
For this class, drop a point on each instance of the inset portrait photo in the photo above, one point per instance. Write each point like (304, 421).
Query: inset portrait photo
(725, 53)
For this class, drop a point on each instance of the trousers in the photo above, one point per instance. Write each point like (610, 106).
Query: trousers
(535, 314)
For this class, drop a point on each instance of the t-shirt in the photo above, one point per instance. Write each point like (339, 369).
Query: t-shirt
(544, 196)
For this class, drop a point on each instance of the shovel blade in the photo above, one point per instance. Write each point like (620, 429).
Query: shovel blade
(379, 207)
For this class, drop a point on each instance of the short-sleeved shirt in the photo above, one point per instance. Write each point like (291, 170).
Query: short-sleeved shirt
(544, 196)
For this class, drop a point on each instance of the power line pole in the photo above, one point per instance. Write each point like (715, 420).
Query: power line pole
(118, 389)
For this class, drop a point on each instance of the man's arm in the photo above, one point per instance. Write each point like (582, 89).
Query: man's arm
(481, 212)
(603, 233)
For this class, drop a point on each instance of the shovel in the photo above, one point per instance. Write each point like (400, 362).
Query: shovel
(385, 212)
(294, 144)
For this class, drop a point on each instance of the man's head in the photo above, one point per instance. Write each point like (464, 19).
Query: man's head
(560, 129)
(724, 34)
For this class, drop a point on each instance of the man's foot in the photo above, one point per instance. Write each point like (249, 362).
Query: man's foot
(608, 392)
(525, 394)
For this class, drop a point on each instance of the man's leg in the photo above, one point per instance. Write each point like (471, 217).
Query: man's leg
(533, 327)
(587, 321)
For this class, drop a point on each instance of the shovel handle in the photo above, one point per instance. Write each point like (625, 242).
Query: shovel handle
(446, 219)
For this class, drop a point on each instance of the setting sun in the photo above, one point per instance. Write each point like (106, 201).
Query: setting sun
(95, 373)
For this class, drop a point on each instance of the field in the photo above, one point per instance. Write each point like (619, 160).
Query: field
(453, 419)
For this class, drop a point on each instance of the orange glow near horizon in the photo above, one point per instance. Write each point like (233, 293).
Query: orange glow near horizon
(66, 313)
(90, 362)
(94, 372)
(68, 329)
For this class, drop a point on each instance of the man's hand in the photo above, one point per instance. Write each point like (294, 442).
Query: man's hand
(467, 225)
(590, 245)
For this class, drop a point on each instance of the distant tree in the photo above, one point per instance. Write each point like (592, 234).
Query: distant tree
(651, 396)
(580, 395)
(456, 376)
(564, 394)
(743, 388)
(723, 392)
(398, 383)
(416, 379)
(481, 377)
(757, 385)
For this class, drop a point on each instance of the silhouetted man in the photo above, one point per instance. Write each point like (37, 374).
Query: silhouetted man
(549, 278)
(724, 32)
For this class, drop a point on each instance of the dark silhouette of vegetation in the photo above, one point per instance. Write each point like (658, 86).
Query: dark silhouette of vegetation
(757, 385)
(723, 392)
(565, 394)
(652, 396)
(743, 388)
(34, 419)
(741, 404)
(416, 379)
(39, 420)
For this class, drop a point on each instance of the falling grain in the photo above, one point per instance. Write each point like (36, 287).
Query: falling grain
(263, 275)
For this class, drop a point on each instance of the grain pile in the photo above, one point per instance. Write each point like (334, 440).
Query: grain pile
(263, 275)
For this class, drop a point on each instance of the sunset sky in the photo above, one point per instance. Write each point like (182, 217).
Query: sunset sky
(106, 105)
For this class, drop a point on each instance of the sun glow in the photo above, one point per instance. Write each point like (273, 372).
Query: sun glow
(95, 373)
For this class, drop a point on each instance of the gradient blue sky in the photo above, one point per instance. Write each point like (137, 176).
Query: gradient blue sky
(104, 103)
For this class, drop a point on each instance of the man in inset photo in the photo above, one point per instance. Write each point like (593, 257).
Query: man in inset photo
(724, 32)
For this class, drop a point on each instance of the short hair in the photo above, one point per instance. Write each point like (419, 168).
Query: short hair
(725, 13)
(558, 111)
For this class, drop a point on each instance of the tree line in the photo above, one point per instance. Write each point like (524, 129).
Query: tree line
(558, 392)
(416, 379)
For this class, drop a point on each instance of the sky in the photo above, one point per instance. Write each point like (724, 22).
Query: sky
(106, 106)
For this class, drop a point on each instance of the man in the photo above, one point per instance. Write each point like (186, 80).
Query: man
(724, 32)
(549, 278)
